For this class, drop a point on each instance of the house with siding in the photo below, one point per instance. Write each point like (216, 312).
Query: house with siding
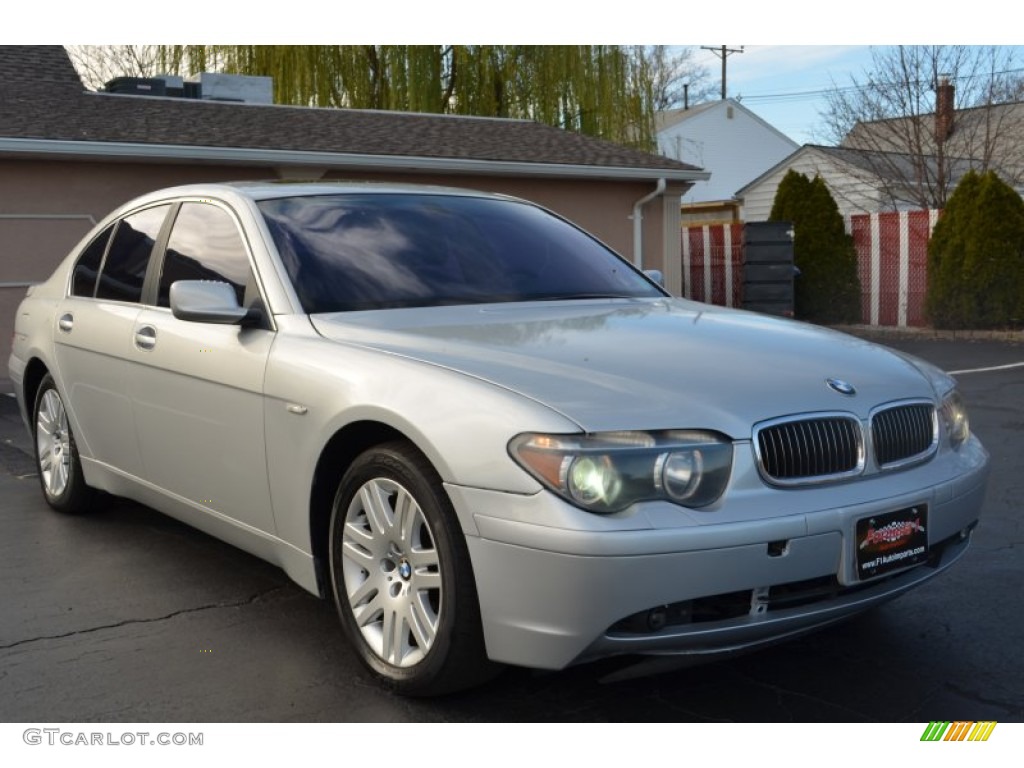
(846, 172)
(874, 169)
(990, 136)
(68, 156)
(861, 181)
(726, 139)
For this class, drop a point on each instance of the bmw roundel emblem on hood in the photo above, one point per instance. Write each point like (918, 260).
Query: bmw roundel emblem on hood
(840, 386)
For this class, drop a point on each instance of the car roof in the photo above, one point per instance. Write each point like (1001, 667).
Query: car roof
(271, 189)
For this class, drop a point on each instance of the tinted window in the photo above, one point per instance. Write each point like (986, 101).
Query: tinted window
(83, 279)
(124, 269)
(204, 245)
(347, 252)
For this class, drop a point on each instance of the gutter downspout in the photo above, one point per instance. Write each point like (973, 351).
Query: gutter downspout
(638, 222)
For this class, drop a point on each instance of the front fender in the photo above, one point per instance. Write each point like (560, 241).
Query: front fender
(314, 388)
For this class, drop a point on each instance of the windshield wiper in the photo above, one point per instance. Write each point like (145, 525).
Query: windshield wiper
(571, 296)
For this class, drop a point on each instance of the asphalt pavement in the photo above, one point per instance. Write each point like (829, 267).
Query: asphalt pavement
(126, 615)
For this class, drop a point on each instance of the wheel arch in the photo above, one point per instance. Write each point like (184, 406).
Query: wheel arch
(337, 455)
(35, 371)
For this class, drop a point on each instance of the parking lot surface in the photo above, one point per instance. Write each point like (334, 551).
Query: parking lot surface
(126, 615)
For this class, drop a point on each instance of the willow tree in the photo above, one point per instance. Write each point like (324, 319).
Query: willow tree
(600, 90)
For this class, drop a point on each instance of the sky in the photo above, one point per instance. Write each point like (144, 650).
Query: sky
(786, 84)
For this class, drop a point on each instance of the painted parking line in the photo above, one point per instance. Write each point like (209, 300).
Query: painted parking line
(986, 370)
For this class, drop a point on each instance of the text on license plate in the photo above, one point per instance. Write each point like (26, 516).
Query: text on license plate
(892, 541)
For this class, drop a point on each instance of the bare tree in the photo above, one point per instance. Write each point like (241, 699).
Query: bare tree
(922, 116)
(676, 78)
(98, 64)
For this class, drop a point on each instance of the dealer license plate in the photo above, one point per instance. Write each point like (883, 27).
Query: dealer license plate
(892, 541)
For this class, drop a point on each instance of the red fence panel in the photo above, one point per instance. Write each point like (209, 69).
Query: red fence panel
(919, 231)
(892, 264)
(736, 262)
(860, 228)
(888, 269)
(712, 263)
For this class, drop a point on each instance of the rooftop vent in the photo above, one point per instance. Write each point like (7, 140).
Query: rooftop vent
(249, 89)
(208, 86)
(137, 86)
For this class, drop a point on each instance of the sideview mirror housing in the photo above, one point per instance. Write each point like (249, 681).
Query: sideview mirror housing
(656, 276)
(206, 301)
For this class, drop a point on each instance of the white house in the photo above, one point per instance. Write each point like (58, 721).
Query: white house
(860, 181)
(904, 163)
(727, 139)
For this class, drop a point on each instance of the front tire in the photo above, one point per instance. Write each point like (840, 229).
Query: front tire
(403, 583)
(57, 460)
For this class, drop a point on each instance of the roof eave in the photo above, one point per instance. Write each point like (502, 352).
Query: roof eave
(138, 152)
(742, 191)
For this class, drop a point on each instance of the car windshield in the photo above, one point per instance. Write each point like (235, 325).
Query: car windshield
(373, 251)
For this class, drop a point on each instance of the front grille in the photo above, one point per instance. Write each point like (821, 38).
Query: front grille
(809, 449)
(904, 434)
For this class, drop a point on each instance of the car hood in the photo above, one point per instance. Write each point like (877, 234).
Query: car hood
(642, 364)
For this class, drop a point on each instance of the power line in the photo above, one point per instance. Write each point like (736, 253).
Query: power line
(813, 94)
(723, 53)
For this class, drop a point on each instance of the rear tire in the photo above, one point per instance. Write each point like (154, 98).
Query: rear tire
(401, 575)
(57, 460)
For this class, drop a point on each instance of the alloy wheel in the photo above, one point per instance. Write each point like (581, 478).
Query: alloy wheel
(391, 571)
(53, 443)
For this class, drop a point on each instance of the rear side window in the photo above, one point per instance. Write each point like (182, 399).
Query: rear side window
(83, 279)
(204, 245)
(124, 269)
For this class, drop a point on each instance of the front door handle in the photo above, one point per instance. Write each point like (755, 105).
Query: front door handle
(145, 337)
(66, 322)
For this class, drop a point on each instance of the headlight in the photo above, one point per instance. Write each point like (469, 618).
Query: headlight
(607, 472)
(954, 416)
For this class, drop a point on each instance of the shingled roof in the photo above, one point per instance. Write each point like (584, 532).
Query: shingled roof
(43, 104)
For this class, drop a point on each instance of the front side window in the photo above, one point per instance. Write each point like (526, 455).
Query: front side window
(124, 269)
(376, 251)
(83, 279)
(204, 245)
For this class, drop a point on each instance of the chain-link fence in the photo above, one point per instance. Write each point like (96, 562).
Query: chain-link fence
(713, 264)
(892, 263)
(892, 258)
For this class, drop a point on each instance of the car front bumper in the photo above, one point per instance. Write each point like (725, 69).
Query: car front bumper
(552, 596)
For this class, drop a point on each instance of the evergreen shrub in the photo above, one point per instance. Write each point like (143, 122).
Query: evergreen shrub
(827, 290)
(976, 257)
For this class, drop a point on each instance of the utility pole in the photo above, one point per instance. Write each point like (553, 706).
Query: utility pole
(722, 53)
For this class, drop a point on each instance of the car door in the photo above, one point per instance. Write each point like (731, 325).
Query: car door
(197, 388)
(93, 336)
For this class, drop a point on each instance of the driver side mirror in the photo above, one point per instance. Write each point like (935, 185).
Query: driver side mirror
(206, 301)
(656, 276)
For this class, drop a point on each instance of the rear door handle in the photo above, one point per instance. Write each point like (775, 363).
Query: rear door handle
(66, 322)
(145, 337)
